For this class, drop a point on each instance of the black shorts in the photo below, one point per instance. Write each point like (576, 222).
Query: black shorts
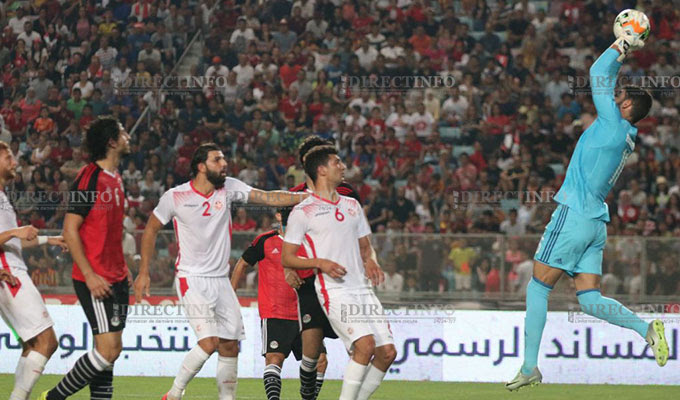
(283, 336)
(105, 315)
(310, 313)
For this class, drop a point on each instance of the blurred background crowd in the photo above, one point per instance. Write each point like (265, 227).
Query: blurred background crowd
(482, 156)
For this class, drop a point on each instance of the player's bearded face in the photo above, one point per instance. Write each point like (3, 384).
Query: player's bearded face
(216, 171)
(8, 165)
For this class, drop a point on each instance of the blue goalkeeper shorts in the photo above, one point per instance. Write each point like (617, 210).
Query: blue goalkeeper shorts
(572, 243)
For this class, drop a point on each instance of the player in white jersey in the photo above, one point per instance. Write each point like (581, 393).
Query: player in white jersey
(201, 214)
(21, 305)
(337, 236)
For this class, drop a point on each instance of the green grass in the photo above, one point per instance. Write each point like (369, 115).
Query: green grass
(204, 388)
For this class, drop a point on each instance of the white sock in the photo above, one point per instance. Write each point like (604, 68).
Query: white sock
(227, 373)
(32, 368)
(372, 380)
(190, 367)
(351, 382)
(18, 393)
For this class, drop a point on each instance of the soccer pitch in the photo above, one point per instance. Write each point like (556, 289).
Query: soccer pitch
(204, 388)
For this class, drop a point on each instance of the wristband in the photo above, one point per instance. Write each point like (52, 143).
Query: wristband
(42, 240)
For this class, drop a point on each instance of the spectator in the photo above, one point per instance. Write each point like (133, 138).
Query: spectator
(394, 281)
(242, 222)
(513, 226)
(462, 257)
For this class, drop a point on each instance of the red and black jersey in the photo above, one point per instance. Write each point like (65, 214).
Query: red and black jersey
(97, 195)
(344, 189)
(275, 298)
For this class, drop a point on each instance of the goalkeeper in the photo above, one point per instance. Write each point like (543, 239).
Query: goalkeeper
(575, 237)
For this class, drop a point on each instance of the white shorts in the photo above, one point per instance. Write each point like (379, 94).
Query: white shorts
(355, 314)
(23, 308)
(211, 306)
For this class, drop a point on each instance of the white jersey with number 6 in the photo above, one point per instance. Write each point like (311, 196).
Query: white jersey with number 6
(332, 231)
(202, 226)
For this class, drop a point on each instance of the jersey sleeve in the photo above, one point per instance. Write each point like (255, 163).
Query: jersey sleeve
(364, 229)
(297, 226)
(602, 83)
(255, 252)
(237, 190)
(83, 192)
(165, 210)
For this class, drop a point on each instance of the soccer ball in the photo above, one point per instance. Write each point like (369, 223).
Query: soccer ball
(632, 22)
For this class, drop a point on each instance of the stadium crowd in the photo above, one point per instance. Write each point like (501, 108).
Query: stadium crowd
(482, 156)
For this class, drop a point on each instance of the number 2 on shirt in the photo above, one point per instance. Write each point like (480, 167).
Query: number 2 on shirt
(206, 212)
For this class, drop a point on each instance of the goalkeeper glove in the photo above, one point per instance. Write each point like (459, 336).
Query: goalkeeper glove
(627, 44)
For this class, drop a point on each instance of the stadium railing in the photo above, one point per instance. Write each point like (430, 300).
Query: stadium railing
(491, 270)
(145, 116)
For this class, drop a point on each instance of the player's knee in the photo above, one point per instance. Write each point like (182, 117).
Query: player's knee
(365, 345)
(45, 343)
(50, 346)
(111, 352)
(209, 345)
(274, 358)
(388, 354)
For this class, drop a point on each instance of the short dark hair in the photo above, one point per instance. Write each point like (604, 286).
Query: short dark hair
(102, 130)
(201, 156)
(317, 157)
(642, 102)
(308, 143)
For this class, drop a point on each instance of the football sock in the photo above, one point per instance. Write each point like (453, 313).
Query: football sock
(371, 381)
(610, 310)
(308, 378)
(534, 322)
(83, 372)
(101, 387)
(28, 373)
(227, 373)
(193, 362)
(351, 382)
(319, 382)
(272, 381)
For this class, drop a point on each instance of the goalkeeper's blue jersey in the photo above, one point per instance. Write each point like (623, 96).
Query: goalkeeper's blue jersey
(602, 150)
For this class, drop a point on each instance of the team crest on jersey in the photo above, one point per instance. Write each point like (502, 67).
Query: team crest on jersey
(306, 318)
(274, 344)
(219, 205)
(350, 331)
(352, 212)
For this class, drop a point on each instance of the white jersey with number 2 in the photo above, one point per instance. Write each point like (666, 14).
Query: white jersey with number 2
(202, 226)
(332, 230)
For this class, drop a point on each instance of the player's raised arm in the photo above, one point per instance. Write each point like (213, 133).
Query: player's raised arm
(50, 240)
(603, 75)
(275, 198)
(25, 233)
